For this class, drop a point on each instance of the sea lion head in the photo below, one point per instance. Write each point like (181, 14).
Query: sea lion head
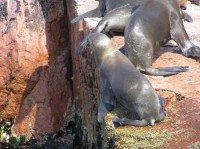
(101, 45)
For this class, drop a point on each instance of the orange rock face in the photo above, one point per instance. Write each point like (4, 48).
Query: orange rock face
(35, 69)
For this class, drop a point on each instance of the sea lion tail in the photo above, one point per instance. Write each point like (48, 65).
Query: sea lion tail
(164, 71)
(126, 121)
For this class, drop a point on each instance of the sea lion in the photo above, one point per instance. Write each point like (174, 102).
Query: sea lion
(105, 6)
(152, 25)
(110, 26)
(134, 92)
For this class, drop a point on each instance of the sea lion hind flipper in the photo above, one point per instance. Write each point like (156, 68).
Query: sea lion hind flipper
(164, 71)
(174, 68)
(102, 111)
(126, 121)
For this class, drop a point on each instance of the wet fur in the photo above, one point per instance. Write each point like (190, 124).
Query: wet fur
(134, 91)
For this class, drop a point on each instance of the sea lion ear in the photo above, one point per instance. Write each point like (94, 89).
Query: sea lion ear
(134, 8)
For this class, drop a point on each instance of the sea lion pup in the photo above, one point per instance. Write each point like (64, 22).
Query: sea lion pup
(152, 25)
(105, 6)
(120, 78)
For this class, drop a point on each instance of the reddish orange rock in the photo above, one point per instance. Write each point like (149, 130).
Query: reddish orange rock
(35, 71)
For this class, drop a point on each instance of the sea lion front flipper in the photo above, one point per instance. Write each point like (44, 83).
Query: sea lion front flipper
(111, 21)
(164, 71)
(180, 36)
(127, 121)
(82, 46)
(193, 51)
(107, 102)
(97, 12)
(84, 15)
(187, 17)
(102, 111)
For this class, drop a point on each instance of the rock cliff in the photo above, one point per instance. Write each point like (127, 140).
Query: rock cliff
(35, 65)
(44, 85)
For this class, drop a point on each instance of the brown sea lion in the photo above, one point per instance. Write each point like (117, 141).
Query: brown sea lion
(152, 25)
(121, 79)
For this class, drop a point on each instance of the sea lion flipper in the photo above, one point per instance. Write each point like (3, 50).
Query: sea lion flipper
(174, 68)
(82, 46)
(91, 13)
(82, 16)
(192, 51)
(127, 121)
(164, 71)
(102, 111)
(97, 12)
(180, 36)
(107, 103)
(187, 17)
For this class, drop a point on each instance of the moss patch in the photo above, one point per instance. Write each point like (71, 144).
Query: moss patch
(130, 137)
(136, 137)
(179, 97)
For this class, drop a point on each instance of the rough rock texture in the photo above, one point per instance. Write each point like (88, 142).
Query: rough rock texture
(35, 65)
(181, 128)
(85, 77)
